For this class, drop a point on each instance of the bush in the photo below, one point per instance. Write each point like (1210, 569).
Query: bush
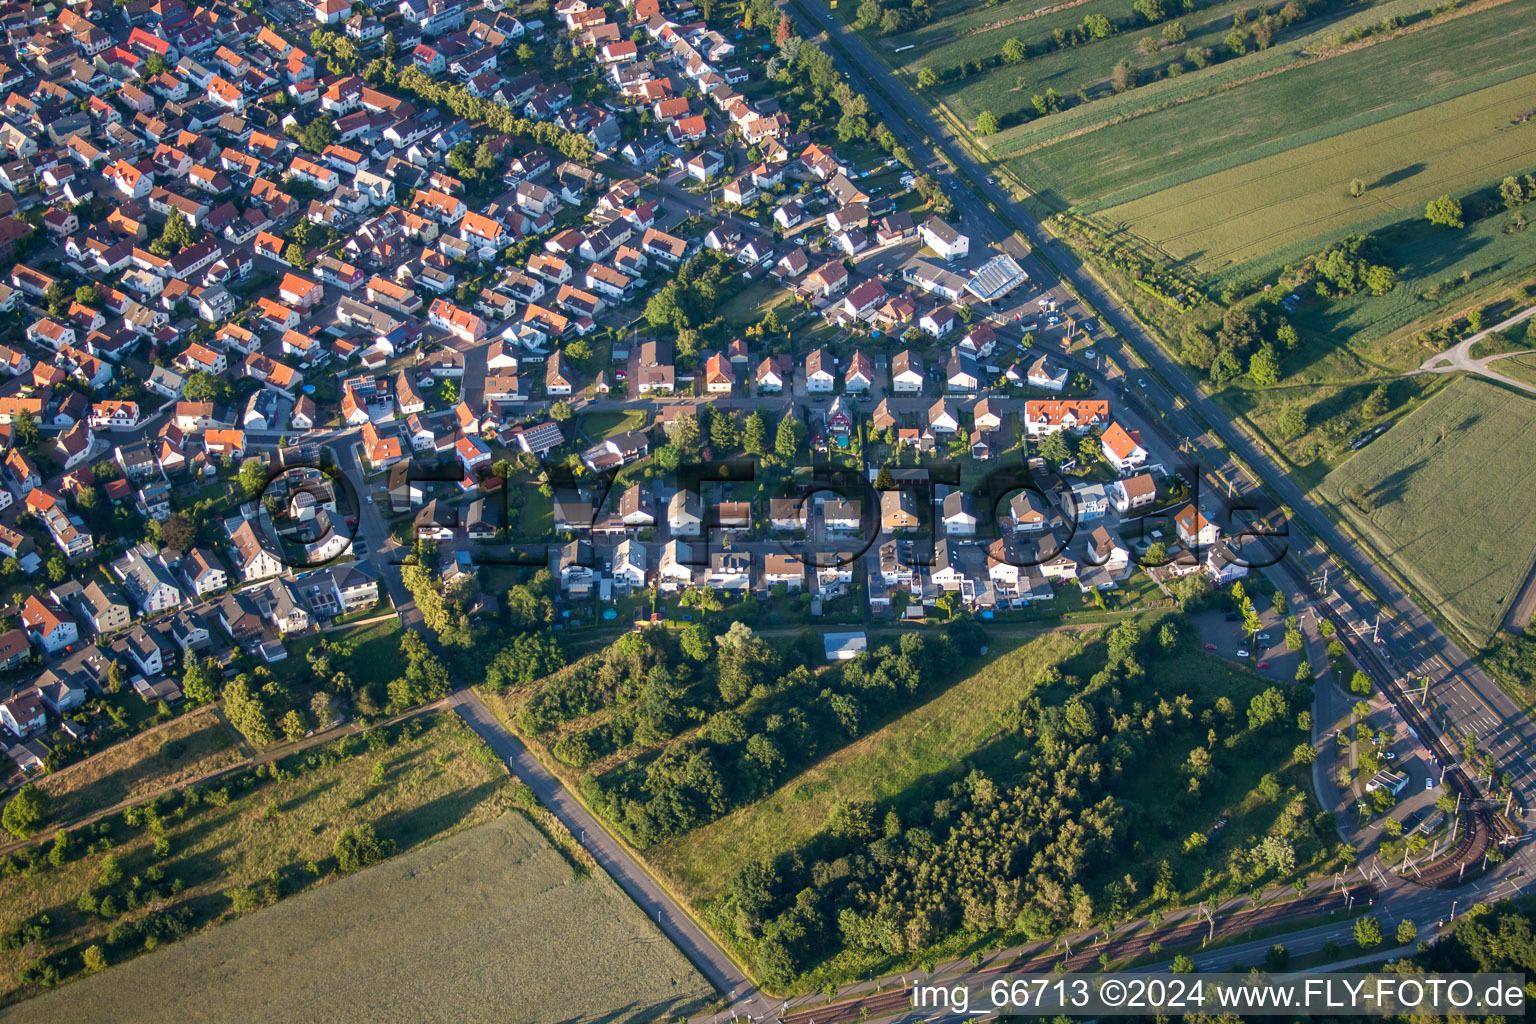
(356, 848)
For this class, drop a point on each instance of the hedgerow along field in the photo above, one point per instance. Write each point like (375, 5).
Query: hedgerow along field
(1434, 497)
(1229, 220)
(414, 782)
(1171, 132)
(1010, 88)
(488, 924)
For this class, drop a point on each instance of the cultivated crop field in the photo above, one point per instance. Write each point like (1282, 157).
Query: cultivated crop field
(928, 742)
(183, 749)
(489, 924)
(413, 782)
(1434, 497)
(1010, 88)
(1227, 219)
(1157, 137)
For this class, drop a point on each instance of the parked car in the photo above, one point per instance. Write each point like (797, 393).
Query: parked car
(1242, 652)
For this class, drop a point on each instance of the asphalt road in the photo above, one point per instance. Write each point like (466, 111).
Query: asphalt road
(636, 882)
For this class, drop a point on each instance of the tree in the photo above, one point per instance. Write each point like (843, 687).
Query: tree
(294, 254)
(1054, 448)
(58, 569)
(359, 847)
(1151, 10)
(986, 123)
(1277, 959)
(1407, 931)
(1304, 753)
(1264, 367)
(560, 411)
(1380, 279)
(177, 233)
(87, 295)
(294, 726)
(1360, 683)
(1182, 964)
(320, 707)
(179, 533)
(253, 477)
(154, 65)
(1123, 76)
(790, 439)
(1367, 933)
(1444, 211)
(1292, 422)
(927, 78)
(754, 438)
(198, 682)
(1357, 188)
(1014, 51)
(26, 812)
(1512, 193)
(1377, 402)
(1174, 33)
(1098, 26)
(95, 960)
(683, 432)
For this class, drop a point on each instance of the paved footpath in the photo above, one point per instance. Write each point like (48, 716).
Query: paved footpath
(636, 882)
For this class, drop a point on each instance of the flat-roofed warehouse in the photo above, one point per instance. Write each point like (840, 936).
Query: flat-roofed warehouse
(996, 278)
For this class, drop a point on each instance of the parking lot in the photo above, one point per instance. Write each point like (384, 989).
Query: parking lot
(1222, 634)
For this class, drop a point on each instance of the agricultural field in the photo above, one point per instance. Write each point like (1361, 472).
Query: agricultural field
(1521, 368)
(500, 927)
(270, 830)
(169, 755)
(1165, 134)
(1268, 207)
(1426, 496)
(926, 743)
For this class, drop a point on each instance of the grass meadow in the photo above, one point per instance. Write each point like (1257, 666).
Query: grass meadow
(182, 749)
(433, 780)
(926, 744)
(488, 924)
(1434, 497)
(1268, 206)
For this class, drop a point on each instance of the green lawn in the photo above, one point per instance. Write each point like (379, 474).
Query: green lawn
(599, 425)
(1428, 496)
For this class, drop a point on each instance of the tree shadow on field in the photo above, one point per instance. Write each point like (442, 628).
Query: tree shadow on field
(1390, 489)
(1401, 174)
(668, 1010)
(415, 825)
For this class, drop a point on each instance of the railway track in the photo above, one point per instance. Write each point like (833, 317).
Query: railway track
(1185, 934)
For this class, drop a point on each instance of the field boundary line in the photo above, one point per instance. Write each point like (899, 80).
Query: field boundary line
(1306, 59)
